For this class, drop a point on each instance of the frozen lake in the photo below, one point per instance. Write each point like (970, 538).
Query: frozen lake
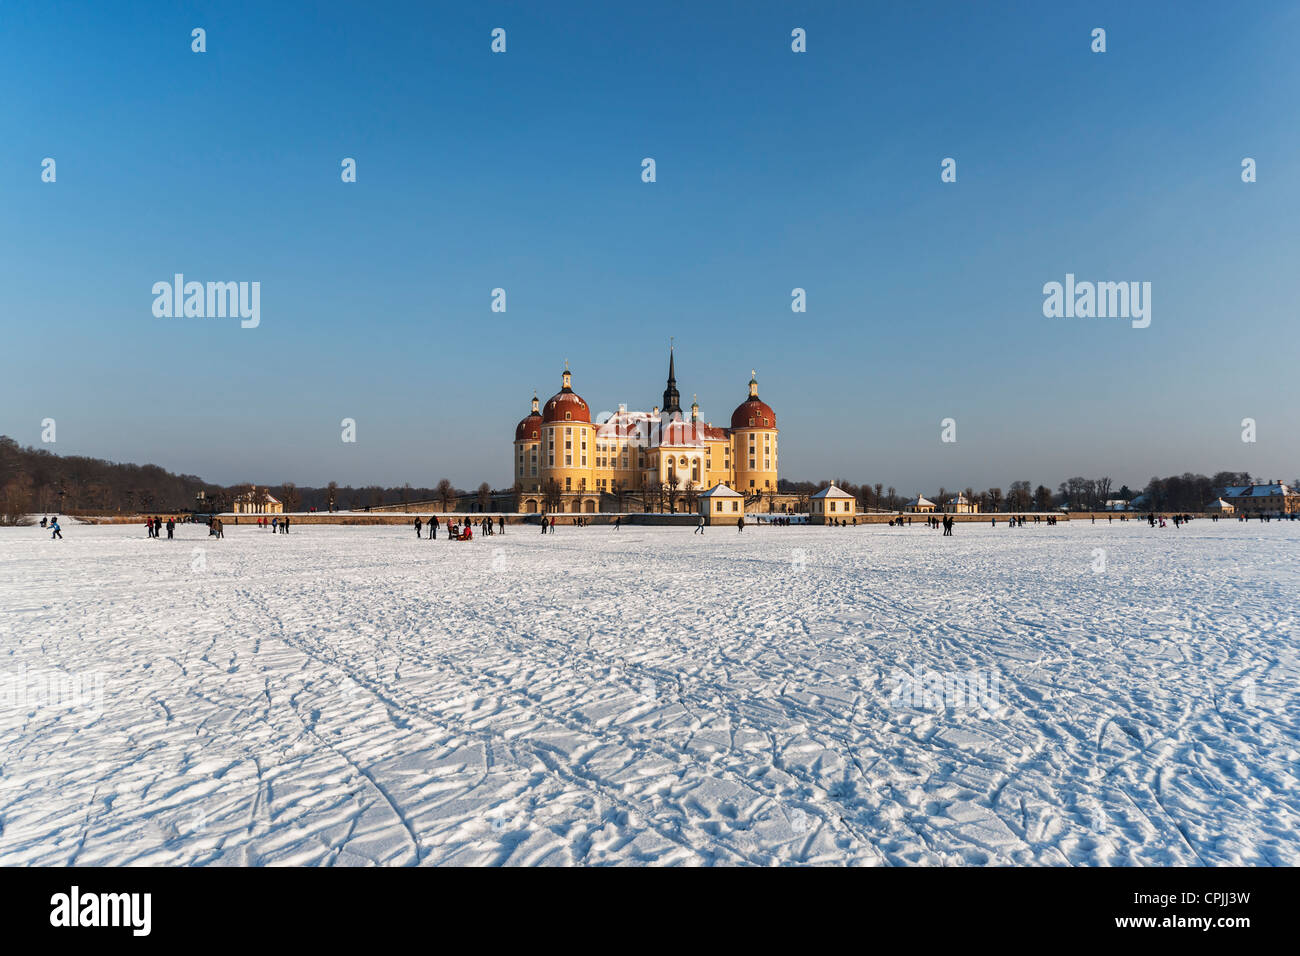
(1084, 694)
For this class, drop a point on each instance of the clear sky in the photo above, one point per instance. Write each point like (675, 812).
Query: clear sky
(775, 170)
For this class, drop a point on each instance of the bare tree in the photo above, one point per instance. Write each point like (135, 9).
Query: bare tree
(446, 494)
(551, 496)
(1042, 498)
(290, 497)
(691, 495)
(655, 493)
(484, 496)
(672, 483)
(15, 501)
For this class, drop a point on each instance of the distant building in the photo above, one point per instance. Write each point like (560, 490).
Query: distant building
(254, 502)
(920, 505)
(959, 504)
(1272, 498)
(720, 504)
(1116, 504)
(831, 504)
(1219, 506)
(565, 462)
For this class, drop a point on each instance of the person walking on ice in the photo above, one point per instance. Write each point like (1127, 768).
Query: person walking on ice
(699, 528)
(54, 529)
(740, 523)
(418, 526)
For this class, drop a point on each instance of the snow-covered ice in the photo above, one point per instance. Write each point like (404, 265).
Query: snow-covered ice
(1083, 694)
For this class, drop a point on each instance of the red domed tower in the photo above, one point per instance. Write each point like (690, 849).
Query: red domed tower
(528, 435)
(753, 444)
(566, 454)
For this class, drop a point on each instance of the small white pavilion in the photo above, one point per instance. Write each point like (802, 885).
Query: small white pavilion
(831, 504)
(720, 504)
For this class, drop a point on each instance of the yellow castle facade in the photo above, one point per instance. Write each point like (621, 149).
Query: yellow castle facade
(566, 463)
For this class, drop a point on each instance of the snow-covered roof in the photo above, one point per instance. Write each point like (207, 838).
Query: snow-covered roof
(1270, 490)
(919, 500)
(270, 499)
(832, 492)
(1217, 503)
(959, 499)
(720, 491)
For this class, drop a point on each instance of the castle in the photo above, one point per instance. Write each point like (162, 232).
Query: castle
(565, 462)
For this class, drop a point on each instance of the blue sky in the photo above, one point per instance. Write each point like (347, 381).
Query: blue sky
(775, 170)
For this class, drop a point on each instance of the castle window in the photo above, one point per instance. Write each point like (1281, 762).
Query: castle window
(568, 416)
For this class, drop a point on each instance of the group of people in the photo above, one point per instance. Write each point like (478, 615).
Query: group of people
(153, 526)
(275, 522)
(1178, 520)
(458, 532)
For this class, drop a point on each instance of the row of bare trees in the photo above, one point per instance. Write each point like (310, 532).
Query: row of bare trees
(35, 480)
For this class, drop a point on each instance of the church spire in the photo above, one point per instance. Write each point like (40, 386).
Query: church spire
(672, 398)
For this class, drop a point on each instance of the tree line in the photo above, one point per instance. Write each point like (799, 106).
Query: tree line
(1186, 492)
(36, 480)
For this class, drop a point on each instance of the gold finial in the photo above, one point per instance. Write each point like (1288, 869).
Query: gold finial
(566, 365)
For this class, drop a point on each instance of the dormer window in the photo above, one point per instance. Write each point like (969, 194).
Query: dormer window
(751, 423)
(568, 416)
